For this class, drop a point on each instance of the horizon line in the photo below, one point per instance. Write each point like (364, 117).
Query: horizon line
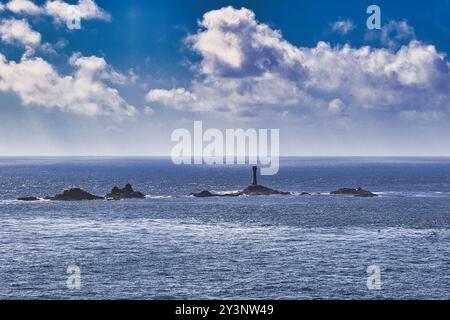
(169, 156)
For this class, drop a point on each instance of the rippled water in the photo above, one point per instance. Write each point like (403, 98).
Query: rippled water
(173, 246)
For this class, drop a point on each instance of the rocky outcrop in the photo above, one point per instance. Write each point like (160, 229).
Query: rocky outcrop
(125, 193)
(77, 194)
(252, 190)
(258, 190)
(358, 192)
(74, 194)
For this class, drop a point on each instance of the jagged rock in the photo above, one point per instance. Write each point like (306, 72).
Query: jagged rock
(358, 192)
(125, 193)
(74, 194)
(305, 194)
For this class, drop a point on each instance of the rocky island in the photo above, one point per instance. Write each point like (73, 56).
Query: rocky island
(74, 194)
(78, 194)
(252, 190)
(125, 193)
(358, 192)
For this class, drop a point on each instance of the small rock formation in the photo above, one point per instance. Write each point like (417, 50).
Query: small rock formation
(125, 193)
(74, 194)
(207, 194)
(252, 190)
(358, 192)
(28, 199)
(261, 191)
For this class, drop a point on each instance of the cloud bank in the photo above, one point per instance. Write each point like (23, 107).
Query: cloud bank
(246, 67)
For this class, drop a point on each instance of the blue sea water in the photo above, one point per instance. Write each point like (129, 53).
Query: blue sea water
(171, 246)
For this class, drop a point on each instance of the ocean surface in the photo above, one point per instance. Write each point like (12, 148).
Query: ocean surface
(172, 246)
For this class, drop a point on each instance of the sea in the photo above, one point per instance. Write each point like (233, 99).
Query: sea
(174, 246)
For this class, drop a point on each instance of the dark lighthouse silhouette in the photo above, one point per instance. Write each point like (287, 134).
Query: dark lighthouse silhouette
(254, 180)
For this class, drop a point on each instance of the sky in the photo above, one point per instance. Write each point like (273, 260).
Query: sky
(137, 70)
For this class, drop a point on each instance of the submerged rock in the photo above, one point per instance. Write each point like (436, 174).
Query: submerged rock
(125, 193)
(358, 192)
(28, 199)
(206, 194)
(74, 194)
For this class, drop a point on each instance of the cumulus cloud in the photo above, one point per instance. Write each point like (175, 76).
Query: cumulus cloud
(60, 10)
(24, 7)
(85, 91)
(85, 9)
(19, 31)
(343, 26)
(247, 66)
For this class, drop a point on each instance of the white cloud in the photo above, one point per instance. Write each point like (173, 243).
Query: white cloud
(24, 7)
(85, 9)
(180, 98)
(18, 31)
(2, 7)
(343, 26)
(85, 91)
(246, 66)
(60, 10)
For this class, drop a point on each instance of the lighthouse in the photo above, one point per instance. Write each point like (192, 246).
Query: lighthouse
(254, 181)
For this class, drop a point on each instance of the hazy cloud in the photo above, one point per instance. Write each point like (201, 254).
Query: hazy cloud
(343, 26)
(392, 34)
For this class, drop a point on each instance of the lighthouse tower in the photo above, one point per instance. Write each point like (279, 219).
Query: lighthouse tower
(254, 181)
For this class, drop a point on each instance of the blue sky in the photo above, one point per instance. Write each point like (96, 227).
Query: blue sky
(137, 70)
